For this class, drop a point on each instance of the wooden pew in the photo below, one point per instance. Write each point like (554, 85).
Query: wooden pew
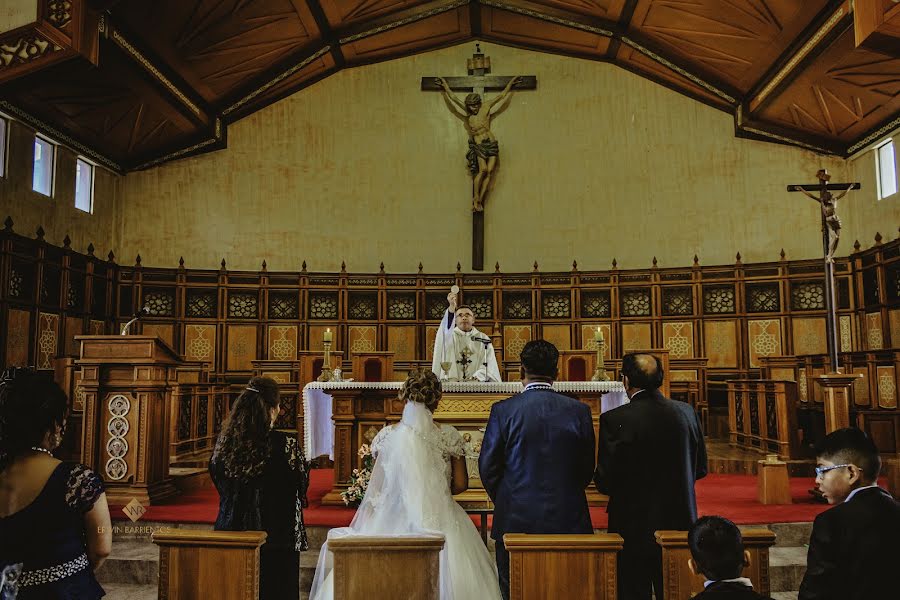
(678, 581)
(542, 567)
(194, 565)
(386, 568)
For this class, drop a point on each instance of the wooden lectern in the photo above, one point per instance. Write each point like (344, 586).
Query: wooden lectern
(127, 383)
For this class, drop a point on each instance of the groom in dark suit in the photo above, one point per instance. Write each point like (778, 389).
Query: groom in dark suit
(537, 457)
(651, 451)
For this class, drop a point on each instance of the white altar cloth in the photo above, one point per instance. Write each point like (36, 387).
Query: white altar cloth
(318, 429)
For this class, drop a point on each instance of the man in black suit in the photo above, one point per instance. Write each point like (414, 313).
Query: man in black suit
(537, 457)
(717, 553)
(650, 453)
(853, 549)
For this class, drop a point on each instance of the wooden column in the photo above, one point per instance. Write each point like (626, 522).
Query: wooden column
(562, 566)
(836, 395)
(195, 565)
(386, 568)
(679, 582)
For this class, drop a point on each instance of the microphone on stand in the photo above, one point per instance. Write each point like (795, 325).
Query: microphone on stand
(145, 310)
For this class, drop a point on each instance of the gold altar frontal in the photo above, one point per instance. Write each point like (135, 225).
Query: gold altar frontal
(359, 414)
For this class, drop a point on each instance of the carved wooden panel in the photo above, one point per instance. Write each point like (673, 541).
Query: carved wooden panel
(861, 387)
(163, 331)
(734, 41)
(317, 335)
(200, 343)
(720, 341)
(18, 329)
(764, 339)
(430, 335)
(441, 29)
(809, 336)
(96, 327)
(402, 342)
(522, 29)
(282, 342)
(678, 339)
(216, 46)
(74, 326)
(589, 343)
(887, 387)
(558, 335)
(636, 336)
(241, 349)
(47, 339)
(874, 335)
(845, 324)
(894, 318)
(362, 338)
(514, 339)
(844, 93)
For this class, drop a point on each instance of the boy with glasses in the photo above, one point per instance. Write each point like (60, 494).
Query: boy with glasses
(853, 550)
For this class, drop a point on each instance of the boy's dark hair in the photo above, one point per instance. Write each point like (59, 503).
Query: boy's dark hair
(540, 358)
(639, 376)
(851, 446)
(31, 404)
(717, 548)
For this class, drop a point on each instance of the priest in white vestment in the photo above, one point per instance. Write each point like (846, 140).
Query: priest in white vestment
(467, 351)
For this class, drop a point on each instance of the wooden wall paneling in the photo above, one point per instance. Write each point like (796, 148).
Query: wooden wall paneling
(18, 338)
(764, 337)
(809, 336)
(401, 340)
(720, 340)
(678, 339)
(589, 343)
(281, 342)
(341, 13)
(558, 335)
(873, 331)
(164, 331)
(47, 340)
(241, 341)
(636, 336)
(887, 387)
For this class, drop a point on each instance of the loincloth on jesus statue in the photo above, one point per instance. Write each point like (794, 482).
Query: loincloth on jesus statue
(484, 149)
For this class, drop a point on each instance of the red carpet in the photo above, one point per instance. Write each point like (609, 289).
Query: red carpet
(732, 496)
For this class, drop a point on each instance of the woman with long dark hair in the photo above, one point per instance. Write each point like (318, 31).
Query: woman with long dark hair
(54, 519)
(262, 477)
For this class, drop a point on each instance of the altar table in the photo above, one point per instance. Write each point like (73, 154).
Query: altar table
(339, 417)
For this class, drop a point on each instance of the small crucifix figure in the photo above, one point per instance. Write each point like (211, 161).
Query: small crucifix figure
(464, 362)
(476, 115)
(831, 235)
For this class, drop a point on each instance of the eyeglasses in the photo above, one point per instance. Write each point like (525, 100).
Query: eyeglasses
(820, 471)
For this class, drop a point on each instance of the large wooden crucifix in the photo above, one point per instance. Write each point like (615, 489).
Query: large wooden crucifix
(831, 234)
(475, 113)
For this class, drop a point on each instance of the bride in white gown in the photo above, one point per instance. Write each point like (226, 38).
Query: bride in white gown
(409, 493)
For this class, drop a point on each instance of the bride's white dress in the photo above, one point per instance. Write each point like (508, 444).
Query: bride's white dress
(409, 494)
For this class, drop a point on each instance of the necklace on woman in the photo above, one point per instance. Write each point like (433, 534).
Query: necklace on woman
(44, 450)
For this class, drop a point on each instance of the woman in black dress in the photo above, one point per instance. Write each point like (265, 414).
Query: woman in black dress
(262, 477)
(54, 519)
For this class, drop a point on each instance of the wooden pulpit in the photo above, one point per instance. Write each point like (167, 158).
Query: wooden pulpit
(127, 384)
(195, 565)
(542, 567)
(367, 568)
(679, 582)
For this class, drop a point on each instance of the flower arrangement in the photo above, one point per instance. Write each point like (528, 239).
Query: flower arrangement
(359, 478)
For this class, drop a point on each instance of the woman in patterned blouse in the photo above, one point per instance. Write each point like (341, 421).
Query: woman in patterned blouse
(262, 477)
(54, 519)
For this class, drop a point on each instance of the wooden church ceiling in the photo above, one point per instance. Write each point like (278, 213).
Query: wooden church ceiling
(134, 83)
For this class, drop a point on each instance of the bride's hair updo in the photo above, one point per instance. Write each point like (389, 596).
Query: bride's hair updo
(422, 386)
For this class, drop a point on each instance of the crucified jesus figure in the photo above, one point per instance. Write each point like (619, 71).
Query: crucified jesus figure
(829, 209)
(483, 146)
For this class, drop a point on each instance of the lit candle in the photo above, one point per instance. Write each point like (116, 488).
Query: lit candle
(328, 335)
(599, 335)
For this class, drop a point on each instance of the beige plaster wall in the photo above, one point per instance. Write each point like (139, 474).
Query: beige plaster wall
(57, 214)
(866, 214)
(597, 163)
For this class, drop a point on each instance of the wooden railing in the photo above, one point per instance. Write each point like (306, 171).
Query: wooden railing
(874, 397)
(762, 416)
